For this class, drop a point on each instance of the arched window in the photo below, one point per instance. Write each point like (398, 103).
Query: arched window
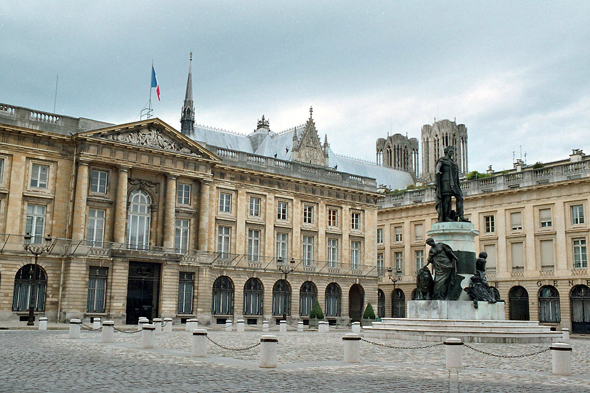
(29, 282)
(138, 223)
(253, 292)
(281, 298)
(518, 299)
(398, 304)
(381, 304)
(580, 303)
(223, 296)
(549, 311)
(307, 296)
(333, 296)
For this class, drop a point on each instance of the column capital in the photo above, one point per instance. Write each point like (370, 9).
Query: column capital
(83, 161)
(171, 176)
(123, 168)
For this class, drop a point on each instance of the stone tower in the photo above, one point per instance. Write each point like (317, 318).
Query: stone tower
(187, 115)
(307, 146)
(435, 138)
(399, 152)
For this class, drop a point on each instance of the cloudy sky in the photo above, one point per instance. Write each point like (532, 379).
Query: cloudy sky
(516, 73)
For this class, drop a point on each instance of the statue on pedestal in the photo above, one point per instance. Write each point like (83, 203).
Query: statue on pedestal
(479, 289)
(447, 284)
(447, 186)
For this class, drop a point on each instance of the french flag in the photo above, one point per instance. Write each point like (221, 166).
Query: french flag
(155, 83)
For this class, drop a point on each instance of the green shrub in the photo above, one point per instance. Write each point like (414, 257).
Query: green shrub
(316, 311)
(538, 165)
(369, 313)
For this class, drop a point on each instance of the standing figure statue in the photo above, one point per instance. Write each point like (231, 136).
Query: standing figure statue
(444, 261)
(447, 186)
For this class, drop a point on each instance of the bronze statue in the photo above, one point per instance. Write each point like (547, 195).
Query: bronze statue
(447, 186)
(479, 289)
(424, 284)
(444, 261)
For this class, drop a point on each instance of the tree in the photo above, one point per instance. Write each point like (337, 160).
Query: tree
(369, 313)
(316, 311)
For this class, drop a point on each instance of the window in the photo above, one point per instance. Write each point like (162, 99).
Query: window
(577, 214)
(98, 182)
(490, 224)
(547, 254)
(253, 245)
(138, 236)
(545, 218)
(549, 311)
(355, 255)
(332, 252)
(185, 292)
(379, 235)
(380, 267)
(282, 210)
(223, 296)
(39, 175)
(183, 192)
(253, 292)
(517, 253)
(516, 221)
(580, 256)
(225, 202)
(398, 234)
(356, 221)
(281, 298)
(29, 282)
(254, 207)
(419, 257)
(35, 225)
(307, 214)
(223, 241)
(97, 284)
(95, 228)
(181, 236)
(307, 297)
(399, 262)
(490, 249)
(418, 232)
(282, 246)
(1, 169)
(332, 217)
(308, 250)
(333, 295)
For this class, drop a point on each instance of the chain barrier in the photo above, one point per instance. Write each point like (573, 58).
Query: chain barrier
(130, 331)
(233, 349)
(507, 356)
(87, 327)
(395, 347)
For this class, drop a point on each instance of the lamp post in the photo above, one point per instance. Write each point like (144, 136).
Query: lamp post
(396, 278)
(286, 269)
(36, 250)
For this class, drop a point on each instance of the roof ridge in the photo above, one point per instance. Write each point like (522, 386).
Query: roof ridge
(290, 129)
(210, 128)
(356, 159)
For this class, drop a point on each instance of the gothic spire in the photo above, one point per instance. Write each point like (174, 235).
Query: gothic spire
(187, 115)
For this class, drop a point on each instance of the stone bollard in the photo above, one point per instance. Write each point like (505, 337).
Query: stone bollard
(561, 354)
(300, 326)
(454, 352)
(283, 326)
(192, 324)
(199, 347)
(142, 321)
(356, 327)
(240, 326)
(352, 352)
(566, 335)
(96, 324)
(158, 325)
(323, 327)
(108, 332)
(167, 325)
(228, 325)
(265, 327)
(75, 328)
(43, 323)
(147, 336)
(268, 351)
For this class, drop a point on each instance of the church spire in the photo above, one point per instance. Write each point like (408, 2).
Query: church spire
(187, 115)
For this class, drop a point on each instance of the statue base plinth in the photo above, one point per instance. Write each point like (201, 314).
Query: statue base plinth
(456, 309)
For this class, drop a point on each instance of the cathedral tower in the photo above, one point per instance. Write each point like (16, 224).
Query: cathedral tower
(187, 115)
(398, 152)
(435, 138)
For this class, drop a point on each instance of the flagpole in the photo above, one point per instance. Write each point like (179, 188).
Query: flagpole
(150, 102)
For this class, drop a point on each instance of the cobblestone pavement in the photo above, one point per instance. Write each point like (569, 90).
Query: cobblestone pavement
(51, 362)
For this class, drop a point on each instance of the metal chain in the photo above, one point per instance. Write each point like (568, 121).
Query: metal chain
(233, 349)
(87, 327)
(507, 356)
(130, 331)
(394, 347)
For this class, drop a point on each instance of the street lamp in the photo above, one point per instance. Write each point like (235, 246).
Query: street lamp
(396, 278)
(36, 250)
(286, 269)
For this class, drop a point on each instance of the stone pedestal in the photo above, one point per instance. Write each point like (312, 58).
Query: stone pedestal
(456, 309)
(460, 236)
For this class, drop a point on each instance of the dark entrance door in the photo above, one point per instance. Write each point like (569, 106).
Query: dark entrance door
(356, 299)
(519, 304)
(143, 288)
(398, 304)
(580, 298)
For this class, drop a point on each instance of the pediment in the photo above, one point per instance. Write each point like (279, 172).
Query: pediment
(154, 134)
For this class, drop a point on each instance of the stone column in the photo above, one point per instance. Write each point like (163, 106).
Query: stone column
(170, 212)
(121, 206)
(203, 242)
(79, 219)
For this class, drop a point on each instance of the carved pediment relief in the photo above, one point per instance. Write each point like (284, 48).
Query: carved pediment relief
(150, 137)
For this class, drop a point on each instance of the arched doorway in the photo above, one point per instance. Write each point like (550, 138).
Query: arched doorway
(333, 296)
(253, 292)
(308, 294)
(143, 291)
(519, 304)
(549, 310)
(223, 296)
(27, 283)
(398, 304)
(580, 302)
(281, 298)
(356, 299)
(381, 304)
